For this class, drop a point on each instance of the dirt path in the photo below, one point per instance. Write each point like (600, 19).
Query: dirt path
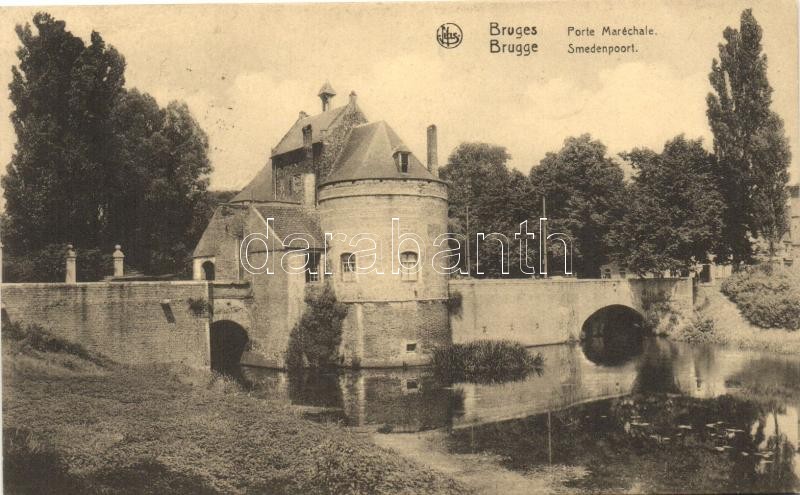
(481, 472)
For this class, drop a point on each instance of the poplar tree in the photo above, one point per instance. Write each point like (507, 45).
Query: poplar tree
(751, 150)
(63, 93)
(97, 164)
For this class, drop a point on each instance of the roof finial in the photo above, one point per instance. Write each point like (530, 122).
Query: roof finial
(326, 94)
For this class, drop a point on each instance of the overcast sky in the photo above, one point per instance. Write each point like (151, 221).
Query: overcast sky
(246, 71)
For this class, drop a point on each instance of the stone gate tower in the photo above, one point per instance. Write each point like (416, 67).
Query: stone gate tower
(387, 209)
(335, 172)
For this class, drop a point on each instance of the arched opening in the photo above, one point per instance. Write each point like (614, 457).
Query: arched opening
(228, 342)
(208, 270)
(613, 335)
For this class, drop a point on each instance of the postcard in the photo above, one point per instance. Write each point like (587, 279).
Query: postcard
(413, 248)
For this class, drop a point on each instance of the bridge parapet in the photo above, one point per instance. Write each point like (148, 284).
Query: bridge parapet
(539, 312)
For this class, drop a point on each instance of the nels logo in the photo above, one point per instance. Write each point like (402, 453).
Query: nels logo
(449, 35)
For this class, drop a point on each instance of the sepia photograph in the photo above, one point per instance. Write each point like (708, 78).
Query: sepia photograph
(462, 247)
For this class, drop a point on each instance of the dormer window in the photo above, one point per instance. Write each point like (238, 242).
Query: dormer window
(401, 159)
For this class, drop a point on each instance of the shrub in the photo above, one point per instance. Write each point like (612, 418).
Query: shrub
(766, 297)
(699, 330)
(484, 361)
(315, 339)
(198, 306)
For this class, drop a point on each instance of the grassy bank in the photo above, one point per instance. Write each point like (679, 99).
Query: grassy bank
(77, 423)
(718, 320)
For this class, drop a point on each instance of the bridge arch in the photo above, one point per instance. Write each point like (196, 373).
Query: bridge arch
(228, 341)
(613, 335)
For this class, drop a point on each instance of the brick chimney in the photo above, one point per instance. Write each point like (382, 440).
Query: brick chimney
(433, 156)
(72, 274)
(308, 143)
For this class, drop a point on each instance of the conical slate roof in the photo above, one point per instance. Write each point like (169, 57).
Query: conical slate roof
(369, 154)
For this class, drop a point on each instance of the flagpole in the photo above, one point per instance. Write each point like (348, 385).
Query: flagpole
(544, 237)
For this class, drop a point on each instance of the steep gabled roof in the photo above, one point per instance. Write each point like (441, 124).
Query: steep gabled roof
(226, 224)
(324, 121)
(294, 219)
(369, 154)
(259, 189)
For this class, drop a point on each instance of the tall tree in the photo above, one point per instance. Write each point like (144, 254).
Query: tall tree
(163, 164)
(751, 151)
(493, 196)
(583, 189)
(63, 93)
(672, 217)
(96, 164)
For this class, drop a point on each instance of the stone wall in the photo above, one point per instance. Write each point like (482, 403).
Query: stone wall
(378, 334)
(539, 312)
(130, 322)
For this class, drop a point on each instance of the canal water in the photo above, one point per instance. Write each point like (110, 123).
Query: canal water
(660, 417)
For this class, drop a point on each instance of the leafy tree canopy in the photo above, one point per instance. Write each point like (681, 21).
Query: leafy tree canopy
(97, 164)
(495, 198)
(584, 193)
(672, 218)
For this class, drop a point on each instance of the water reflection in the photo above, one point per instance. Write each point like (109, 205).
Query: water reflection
(674, 418)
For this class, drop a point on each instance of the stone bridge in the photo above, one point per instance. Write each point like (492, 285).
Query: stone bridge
(198, 323)
(538, 312)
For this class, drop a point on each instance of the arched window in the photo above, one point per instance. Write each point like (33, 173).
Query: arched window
(606, 273)
(348, 261)
(208, 270)
(408, 266)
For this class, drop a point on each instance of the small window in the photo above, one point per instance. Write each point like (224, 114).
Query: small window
(607, 273)
(312, 267)
(348, 266)
(401, 157)
(411, 347)
(408, 266)
(623, 274)
(412, 385)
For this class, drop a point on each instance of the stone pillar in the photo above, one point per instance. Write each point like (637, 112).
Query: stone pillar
(72, 274)
(119, 269)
